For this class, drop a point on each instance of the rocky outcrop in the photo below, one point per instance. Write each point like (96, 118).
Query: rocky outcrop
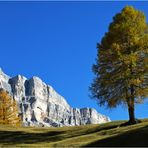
(40, 105)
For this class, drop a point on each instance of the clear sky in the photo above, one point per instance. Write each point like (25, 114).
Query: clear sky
(57, 42)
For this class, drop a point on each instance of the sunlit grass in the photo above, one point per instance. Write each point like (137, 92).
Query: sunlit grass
(108, 134)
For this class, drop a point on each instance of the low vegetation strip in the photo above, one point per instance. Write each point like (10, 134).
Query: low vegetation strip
(108, 134)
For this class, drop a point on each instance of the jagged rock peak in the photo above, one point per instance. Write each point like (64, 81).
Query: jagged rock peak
(40, 105)
(3, 75)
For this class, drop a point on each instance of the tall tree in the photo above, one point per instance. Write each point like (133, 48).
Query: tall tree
(8, 110)
(121, 69)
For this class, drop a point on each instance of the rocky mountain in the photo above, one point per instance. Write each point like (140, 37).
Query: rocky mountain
(40, 105)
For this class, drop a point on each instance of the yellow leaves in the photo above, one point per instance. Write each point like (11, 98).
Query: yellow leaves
(135, 81)
(138, 81)
(8, 110)
(122, 58)
(143, 93)
(130, 11)
(133, 57)
(115, 46)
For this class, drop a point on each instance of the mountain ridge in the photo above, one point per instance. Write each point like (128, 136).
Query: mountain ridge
(40, 105)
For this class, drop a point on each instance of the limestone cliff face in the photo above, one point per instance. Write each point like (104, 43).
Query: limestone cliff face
(40, 105)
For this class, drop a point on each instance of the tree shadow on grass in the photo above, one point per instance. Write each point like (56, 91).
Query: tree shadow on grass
(19, 137)
(135, 138)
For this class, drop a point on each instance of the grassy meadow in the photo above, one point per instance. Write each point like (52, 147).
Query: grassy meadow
(108, 134)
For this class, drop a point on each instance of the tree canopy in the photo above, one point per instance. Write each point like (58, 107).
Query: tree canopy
(121, 69)
(8, 110)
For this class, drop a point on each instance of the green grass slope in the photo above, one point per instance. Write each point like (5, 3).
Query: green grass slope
(108, 134)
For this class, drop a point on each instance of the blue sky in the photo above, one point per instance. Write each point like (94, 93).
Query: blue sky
(57, 42)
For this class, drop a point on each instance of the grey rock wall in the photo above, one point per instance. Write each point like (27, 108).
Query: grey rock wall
(40, 105)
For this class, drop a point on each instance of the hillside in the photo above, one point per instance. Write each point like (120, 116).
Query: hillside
(107, 134)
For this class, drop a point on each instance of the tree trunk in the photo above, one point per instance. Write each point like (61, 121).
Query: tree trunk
(131, 107)
(131, 111)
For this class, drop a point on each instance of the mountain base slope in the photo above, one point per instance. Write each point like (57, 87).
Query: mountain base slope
(107, 134)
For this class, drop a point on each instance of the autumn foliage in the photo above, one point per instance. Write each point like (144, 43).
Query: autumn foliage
(8, 110)
(121, 67)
